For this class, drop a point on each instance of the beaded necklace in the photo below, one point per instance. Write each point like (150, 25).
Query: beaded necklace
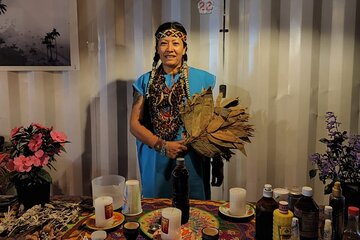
(164, 102)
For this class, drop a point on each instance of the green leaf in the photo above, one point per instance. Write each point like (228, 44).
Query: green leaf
(328, 189)
(324, 140)
(312, 173)
(45, 175)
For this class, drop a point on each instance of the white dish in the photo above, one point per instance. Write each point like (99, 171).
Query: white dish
(225, 210)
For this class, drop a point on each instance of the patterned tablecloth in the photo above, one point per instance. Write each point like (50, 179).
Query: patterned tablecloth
(203, 213)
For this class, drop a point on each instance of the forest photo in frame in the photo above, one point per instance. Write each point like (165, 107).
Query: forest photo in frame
(38, 35)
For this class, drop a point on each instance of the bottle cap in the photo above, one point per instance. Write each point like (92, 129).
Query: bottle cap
(353, 211)
(336, 190)
(283, 207)
(267, 191)
(307, 191)
(328, 210)
(295, 190)
(294, 222)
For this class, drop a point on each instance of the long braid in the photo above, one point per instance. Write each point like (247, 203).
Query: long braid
(153, 71)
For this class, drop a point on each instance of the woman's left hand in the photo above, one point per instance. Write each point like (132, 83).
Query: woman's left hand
(174, 148)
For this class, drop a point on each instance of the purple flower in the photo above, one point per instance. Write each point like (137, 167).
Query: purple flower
(341, 160)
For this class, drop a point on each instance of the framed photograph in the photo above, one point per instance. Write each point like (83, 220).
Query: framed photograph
(38, 35)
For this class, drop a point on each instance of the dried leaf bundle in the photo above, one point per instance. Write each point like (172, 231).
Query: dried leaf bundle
(216, 130)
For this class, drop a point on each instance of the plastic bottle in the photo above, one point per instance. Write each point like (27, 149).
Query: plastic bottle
(282, 221)
(295, 231)
(180, 177)
(327, 230)
(327, 215)
(307, 211)
(351, 231)
(337, 202)
(264, 214)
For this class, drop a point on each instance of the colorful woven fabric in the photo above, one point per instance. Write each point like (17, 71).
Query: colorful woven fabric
(208, 210)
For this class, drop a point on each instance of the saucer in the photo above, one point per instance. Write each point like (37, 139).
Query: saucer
(131, 214)
(224, 212)
(117, 220)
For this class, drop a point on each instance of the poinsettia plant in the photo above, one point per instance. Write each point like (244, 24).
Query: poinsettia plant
(30, 150)
(341, 160)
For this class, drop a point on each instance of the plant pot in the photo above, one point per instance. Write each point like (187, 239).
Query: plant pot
(34, 194)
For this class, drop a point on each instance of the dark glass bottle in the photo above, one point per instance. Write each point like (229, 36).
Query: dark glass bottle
(180, 178)
(307, 211)
(264, 214)
(337, 202)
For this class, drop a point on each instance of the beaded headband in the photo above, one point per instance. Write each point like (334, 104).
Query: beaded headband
(171, 33)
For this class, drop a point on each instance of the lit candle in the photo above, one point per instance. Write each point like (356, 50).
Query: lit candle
(237, 201)
(103, 211)
(170, 224)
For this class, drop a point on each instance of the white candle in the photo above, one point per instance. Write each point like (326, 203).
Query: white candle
(171, 224)
(237, 201)
(103, 211)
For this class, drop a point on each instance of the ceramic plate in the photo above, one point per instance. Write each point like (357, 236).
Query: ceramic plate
(225, 210)
(197, 220)
(118, 219)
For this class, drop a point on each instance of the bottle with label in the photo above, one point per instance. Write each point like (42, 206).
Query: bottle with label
(282, 222)
(180, 178)
(337, 202)
(352, 229)
(264, 214)
(307, 211)
(327, 215)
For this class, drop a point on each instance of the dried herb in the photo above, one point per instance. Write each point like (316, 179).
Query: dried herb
(216, 130)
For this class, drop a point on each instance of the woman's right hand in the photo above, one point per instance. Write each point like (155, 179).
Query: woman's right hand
(174, 148)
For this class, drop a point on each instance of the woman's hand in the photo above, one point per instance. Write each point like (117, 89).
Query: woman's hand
(174, 148)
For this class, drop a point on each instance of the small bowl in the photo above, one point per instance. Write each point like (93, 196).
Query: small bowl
(131, 230)
(210, 233)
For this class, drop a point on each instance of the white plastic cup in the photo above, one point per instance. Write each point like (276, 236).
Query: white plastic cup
(109, 185)
(132, 202)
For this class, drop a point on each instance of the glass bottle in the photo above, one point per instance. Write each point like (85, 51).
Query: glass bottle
(282, 221)
(307, 211)
(351, 231)
(294, 196)
(337, 202)
(180, 178)
(264, 214)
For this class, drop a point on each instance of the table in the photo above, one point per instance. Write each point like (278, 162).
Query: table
(228, 229)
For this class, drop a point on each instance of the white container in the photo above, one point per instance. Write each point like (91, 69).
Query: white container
(103, 211)
(109, 185)
(132, 202)
(171, 224)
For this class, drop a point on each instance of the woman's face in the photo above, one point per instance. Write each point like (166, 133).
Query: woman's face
(171, 51)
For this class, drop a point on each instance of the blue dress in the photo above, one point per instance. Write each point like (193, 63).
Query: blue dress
(155, 169)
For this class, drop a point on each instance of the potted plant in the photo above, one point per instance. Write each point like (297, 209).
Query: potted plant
(30, 150)
(340, 162)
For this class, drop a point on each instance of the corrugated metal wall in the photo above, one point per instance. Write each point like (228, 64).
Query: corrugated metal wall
(289, 61)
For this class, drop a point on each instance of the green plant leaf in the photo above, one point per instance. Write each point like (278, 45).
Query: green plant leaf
(312, 173)
(45, 175)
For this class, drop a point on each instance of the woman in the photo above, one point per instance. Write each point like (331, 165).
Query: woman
(155, 119)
